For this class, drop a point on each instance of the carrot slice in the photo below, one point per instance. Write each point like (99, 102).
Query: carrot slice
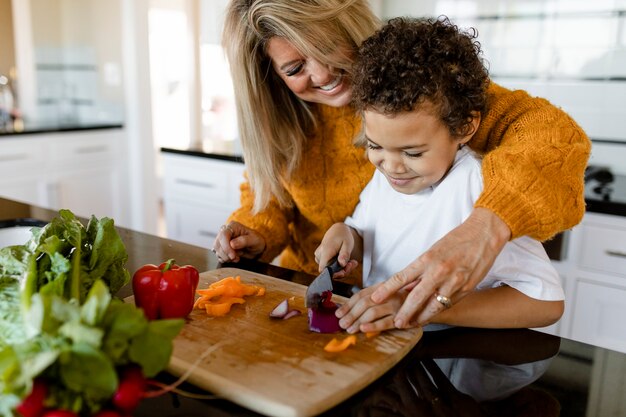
(336, 345)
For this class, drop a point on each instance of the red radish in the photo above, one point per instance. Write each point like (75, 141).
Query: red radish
(130, 389)
(32, 405)
(322, 318)
(59, 413)
(108, 413)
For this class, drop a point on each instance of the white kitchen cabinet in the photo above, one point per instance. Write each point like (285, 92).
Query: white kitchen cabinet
(80, 171)
(595, 274)
(199, 195)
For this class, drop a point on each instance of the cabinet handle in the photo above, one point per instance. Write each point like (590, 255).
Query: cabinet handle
(14, 157)
(195, 183)
(91, 149)
(207, 233)
(615, 253)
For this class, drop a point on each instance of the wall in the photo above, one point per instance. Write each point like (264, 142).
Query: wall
(572, 52)
(7, 52)
(70, 56)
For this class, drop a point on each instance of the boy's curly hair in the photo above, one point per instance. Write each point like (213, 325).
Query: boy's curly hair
(410, 61)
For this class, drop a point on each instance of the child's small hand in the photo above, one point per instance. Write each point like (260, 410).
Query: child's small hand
(360, 313)
(338, 241)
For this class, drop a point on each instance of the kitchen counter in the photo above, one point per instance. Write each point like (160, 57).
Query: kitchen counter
(35, 128)
(201, 154)
(482, 372)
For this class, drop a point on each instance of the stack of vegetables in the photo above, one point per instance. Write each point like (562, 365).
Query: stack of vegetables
(67, 346)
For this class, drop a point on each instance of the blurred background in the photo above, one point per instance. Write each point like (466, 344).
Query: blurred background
(154, 74)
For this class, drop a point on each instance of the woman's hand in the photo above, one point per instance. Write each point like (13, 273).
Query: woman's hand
(360, 313)
(235, 240)
(452, 267)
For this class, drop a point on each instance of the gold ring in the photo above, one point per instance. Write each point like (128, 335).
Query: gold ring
(446, 301)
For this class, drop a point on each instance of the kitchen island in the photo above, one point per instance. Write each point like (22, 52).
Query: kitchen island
(482, 372)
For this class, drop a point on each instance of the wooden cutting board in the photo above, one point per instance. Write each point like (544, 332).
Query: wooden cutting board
(278, 367)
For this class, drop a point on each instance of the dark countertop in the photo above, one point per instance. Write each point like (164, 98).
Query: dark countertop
(536, 373)
(201, 154)
(37, 129)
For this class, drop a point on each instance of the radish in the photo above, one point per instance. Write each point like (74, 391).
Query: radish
(32, 405)
(59, 413)
(130, 389)
(108, 413)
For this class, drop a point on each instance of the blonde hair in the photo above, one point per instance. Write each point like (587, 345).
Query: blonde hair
(273, 122)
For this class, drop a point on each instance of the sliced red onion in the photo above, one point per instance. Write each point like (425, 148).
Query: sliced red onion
(292, 313)
(281, 310)
(323, 320)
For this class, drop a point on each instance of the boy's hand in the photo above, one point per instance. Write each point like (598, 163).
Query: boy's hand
(338, 241)
(360, 313)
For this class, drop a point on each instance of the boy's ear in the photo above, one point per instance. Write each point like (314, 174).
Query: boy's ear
(472, 127)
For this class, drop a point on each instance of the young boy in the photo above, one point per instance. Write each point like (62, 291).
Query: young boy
(421, 88)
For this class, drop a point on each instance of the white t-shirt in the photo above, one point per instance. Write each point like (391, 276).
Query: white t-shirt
(397, 228)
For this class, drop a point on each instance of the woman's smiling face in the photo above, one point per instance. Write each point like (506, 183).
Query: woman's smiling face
(414, 150)
(306, 77)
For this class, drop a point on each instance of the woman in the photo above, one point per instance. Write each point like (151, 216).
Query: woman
(290, 61)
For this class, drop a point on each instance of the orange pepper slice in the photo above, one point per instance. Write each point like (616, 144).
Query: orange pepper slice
(219, 297)
(221, 309)
(336, 345)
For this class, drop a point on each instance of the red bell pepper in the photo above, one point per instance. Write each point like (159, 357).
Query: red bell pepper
(166, 291)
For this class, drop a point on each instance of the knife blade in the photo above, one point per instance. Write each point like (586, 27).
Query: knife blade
(323, 282)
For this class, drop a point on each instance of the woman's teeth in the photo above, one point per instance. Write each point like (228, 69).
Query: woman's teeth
(332, 85)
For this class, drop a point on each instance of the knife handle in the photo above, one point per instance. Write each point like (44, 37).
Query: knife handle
(334, 266)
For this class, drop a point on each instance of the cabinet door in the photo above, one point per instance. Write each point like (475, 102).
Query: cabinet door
(23, 169)
(603, 248)
(27, 190)
(599, 313)
(88, 192)
(194, 224)
(199, 195)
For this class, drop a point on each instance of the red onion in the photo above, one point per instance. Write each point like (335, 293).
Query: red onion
(322, 318)
(283, 311)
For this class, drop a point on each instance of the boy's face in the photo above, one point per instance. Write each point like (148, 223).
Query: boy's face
(414, 150)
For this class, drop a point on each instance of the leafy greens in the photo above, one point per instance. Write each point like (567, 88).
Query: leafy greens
(58, 320)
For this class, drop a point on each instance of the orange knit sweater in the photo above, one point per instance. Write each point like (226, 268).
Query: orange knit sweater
(533, 166)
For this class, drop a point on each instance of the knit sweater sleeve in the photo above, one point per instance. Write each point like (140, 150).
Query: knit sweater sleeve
(534, 162)
(272, 223)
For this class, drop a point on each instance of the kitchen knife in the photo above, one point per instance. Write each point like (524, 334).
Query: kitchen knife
(323, 282)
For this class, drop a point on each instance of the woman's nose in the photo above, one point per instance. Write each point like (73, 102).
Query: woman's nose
(320, 74)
